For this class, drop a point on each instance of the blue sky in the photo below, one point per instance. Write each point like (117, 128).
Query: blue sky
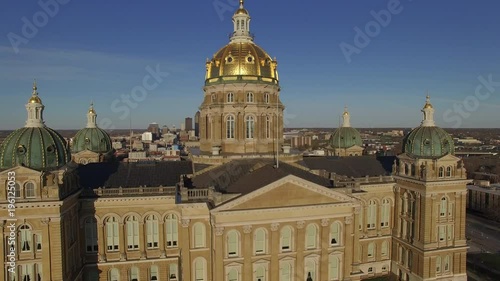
(100, 50)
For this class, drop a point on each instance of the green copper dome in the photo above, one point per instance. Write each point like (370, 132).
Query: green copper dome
(346, 137)
(93, 139)
(428, 141)
(35, 146)
(432, 142)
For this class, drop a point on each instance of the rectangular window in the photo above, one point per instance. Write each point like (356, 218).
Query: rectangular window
(442, 233)
(450, 232)
(172, 271)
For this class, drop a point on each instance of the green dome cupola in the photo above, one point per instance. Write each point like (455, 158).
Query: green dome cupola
(35, 146)
(91, 137)
(346, 136)
(428, 140)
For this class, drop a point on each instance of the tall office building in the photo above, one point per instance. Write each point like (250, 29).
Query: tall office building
(188, 124)
(197, 124)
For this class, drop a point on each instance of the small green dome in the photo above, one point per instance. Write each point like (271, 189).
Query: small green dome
(93, 139)
(39, 148)
(346, 137)
(431, 142)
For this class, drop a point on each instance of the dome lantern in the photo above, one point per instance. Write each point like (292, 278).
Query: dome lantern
(91, 117)
(346, 118)
(35, 110)
(428, 111)
(241, 22)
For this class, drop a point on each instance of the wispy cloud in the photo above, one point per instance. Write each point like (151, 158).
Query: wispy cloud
(64, 65)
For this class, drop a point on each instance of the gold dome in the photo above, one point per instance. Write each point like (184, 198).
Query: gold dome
(428, 102)
(244, 59)
(241, 11)
(35, 99)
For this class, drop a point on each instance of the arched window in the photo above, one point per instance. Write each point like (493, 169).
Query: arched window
(384, 249)
(260, 274)
(199, 235)
(112, 234)
(232, 275)
(441, 172)
(266, 97)
(385, 213)
(446, 265)
(230, 124)
(260, 241)
(335, 234)
(407, 169)
(232, 243)
(152, 235)
(448, 171)
(25, 235)
(268, 127)
(443, 207)
(310, 270)
(250, 127)
(438, 264)
(29, 190)
(371, 250)
(91, 244)
(134, 274)
(286, 238)
(132, 226)
(249, 97)
(333, 268)
(214, 98)
(413, 170)
(372, 214)
(285, 271)
(230, 97)
(153, 273)
(311, 235)
(199, 269)
(172, 271)
(17, 190)
(171, 226)
(114, 274)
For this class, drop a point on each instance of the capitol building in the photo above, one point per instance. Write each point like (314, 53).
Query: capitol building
(243, 207)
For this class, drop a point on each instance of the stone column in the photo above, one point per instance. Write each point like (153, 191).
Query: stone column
(274, 245)
(186, 263)
(142, 240)
(55, 252)
(299, 249)
(348, 241)
(218, 268)
(354, 246)
(246, 252)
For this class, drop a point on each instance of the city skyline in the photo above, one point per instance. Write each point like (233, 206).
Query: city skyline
(423, 47)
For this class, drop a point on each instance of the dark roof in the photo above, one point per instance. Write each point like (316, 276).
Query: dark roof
(133, 174)
(200, 167)
(356, 166)
(244, 176)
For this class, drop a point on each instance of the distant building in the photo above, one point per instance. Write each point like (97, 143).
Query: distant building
(147, 137)
(188, 124)
(117, 145)
(346, 141)
(138, 145)
(183, 127)
(154, 129)
(301, 141)
(138, 155)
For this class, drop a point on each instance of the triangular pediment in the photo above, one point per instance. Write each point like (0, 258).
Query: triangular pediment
(449, 157)
(290, 191)
(21, 170)
(86, 153)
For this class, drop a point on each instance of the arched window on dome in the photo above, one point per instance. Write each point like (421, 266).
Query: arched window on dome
(230, 97)
(266, 97)
(230, 126)
(268, 127)
(250, 127)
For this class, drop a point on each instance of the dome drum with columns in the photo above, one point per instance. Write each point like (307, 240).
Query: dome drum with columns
(35, 146)
(241, 112)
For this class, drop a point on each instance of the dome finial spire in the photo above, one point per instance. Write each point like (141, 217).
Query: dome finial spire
(35, 109)
(242, 2)
(428, 110)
